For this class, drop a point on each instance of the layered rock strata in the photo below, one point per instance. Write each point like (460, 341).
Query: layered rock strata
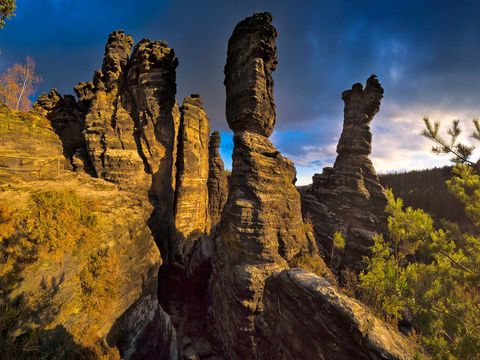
(125, 123)
(29, 147)
(348, 197)
(217, 181)
(120, 246)
(67, 117)
(261, 227)
(305, 317)
(192, 220)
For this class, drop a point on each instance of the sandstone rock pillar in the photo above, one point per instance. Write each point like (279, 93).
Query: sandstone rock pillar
(192, 219)
(262, 226)
(217, 181)
(348, 197)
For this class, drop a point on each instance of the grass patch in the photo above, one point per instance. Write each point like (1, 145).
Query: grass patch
(56, 226)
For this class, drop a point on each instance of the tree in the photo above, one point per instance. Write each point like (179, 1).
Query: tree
(430, 277)
(461, 152)
(7, 8)
(17, 84)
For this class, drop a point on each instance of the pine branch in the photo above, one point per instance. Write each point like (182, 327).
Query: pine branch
(476, 133)
(460, 151)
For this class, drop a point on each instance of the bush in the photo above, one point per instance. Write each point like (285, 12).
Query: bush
(429, 277)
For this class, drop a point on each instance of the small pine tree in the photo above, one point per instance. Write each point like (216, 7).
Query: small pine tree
(430, 277)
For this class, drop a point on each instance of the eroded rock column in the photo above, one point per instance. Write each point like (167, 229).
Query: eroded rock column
(109, 126)
(262, 227)
(192, 219)
(150, 97)
(348, 197)
(217, 181)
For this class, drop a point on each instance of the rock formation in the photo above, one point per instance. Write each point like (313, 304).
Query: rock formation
(217, 181)
(192, 219)
(151, 86)
(348, 197)
(132, 123)
(125, 123)
(29, 147)
(68, 120)
(305, 317)
(226, 245)
(121, 244)
(261, 228)
(109, 127)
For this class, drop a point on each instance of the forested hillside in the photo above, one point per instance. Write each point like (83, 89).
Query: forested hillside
(426, 189)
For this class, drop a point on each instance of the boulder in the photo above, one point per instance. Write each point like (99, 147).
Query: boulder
(305, 317)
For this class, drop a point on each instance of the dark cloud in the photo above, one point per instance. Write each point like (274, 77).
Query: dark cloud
(424, 52)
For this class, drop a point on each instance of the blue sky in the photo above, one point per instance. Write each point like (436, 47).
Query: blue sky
(425, 54)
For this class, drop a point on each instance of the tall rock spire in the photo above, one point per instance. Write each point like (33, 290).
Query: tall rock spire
(217, 181)
(261, 227)
(348, 197)
(192, 218)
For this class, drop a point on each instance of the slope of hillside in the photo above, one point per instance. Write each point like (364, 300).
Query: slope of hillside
(426, 189)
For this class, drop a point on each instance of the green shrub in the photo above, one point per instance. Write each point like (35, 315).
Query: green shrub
(430, 277)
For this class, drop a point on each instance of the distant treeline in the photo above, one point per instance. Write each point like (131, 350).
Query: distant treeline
(426, 189)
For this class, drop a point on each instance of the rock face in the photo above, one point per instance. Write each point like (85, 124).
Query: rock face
(132, 124)
(217, 181)
(124, 127)
(68, 120)
(261, 227)
(251, 59)
(192, 218)
(129, 317)
(29, 148)
(348, 197)
(307, 318)
(151, 88)
(109, 127)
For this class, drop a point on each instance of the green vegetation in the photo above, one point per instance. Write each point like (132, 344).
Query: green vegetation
(429, 277)
(338, 244)
(37, 244)
(7, 9)
(427, 190)
(461, 153)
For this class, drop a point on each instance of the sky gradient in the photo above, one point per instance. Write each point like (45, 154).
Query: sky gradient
(425, 54)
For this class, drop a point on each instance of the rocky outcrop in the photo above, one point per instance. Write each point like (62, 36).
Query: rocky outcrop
(29, 148)
(217, 181)
(261, 227)
(151, 88)
(131, 125)
(348, 197)
(109, 131)
(251, 59)
(115, 263)
(305, 317)
(192, 220)
(67, 117)
(125, 123)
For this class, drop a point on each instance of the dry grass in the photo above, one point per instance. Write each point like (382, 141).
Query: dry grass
(56, 226)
